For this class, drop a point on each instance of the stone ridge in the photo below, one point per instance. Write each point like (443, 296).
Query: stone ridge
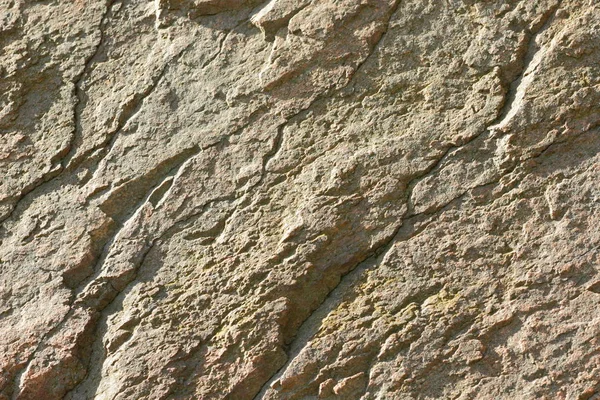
(299, 199)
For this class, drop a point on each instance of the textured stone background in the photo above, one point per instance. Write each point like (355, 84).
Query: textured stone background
(299, 199)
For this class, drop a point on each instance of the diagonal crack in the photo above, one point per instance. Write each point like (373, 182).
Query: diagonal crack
(71, 161)
(531, 61)
(392, 12)
(404, 230)
(106, 294)
(155, 196)
(279, 137)
(96, 345)
(219, 51)
(407, 229)
(275, 147)
(411, 226)
(79, 93)
(130, 110)
(64, 153)
(384, 245)
(277, 142)
(302, 333)
(77, 89)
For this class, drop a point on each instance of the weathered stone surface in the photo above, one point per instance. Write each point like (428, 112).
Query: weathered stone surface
(296, 199)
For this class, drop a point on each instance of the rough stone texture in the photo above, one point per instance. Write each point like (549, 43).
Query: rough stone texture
(299, 199)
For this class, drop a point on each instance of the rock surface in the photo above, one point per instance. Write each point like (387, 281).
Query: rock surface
(299, 199)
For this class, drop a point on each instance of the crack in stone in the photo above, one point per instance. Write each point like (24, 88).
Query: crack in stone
(78, 109)
(371, 257)
(169, 232)
(130, 110)
(511, 104)
(532, 59)
(405, 231)
(19, 375)
(264, 9)
(277, 143)
(100, 260)
(174, 228)
(169, 175)
(373, 254)
(513, 86)
(386, 28)
(97, 342)
(384, 248)
(76, 115)
(77, 83)
(221, 44)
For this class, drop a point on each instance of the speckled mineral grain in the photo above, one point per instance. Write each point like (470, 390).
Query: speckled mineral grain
(299, 199)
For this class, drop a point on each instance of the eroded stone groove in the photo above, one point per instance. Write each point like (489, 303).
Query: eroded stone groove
(79, 94)
(296, 199)
(64, 153)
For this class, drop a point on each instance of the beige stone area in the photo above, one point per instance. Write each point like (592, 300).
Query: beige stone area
(299, 199)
